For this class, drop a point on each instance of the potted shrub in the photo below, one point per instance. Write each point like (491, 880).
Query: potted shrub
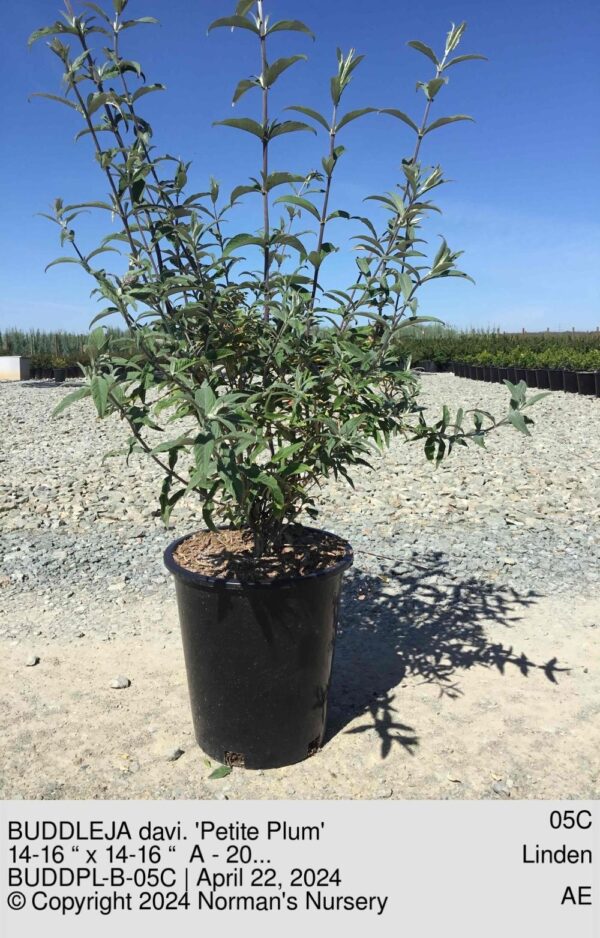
(60, 370)
(570, 360)
(551, 358)
(252, 383)
(586, 371)
(484, 361)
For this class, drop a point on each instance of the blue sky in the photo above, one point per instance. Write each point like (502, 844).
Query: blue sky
(524, 204)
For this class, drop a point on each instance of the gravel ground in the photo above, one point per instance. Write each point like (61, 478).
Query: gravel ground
(467, 661)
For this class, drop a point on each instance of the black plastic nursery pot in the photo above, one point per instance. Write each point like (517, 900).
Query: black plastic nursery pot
(531, 377)
(570, 381)
(258, 659)
(542, 377)
(555, 379)
(503, 374)
(521, 374)
(512, 374)
(586, 382)
(494, 373)
(60, 374)
(487, 373)
(597, 376)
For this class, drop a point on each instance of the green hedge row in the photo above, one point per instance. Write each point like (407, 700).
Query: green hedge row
(579, 351)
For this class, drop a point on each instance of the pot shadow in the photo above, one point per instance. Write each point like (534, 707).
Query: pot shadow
(414, 621)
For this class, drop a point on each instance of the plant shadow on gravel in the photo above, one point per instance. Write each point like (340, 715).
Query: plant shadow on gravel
(404, 623)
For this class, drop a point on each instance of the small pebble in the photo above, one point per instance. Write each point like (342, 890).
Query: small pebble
(120, 682)
(174, 754)
(32, 661)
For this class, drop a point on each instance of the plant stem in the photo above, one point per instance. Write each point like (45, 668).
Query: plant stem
(265, 157)
(323, 222)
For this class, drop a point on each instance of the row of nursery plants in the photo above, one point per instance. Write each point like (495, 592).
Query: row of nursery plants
(502, 349)
(554, 356)
(48, 351)
(578, 380)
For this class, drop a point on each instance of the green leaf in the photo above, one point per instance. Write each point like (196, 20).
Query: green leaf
(465, 58)
(99, 391)
(294, 26)
(147, 89)
(431, 88)
(57, 28)
(243, 123)
(244, 7)
(96, 340)
(203, 455)
(205, 398)
(56, 97)
(137, 190)
(454, 36)
(401, 116)
(71, 398)
(441, 121)
(289, 127)
(406, 285)
(62, 260)
(281, 179)
(292, 241)
(353, 115)
(95, 101)
(240, 22)
(242, 190)
(272, 484)
(426, 50)
(98, 9)
(222, 772)
(143, 20)
(241, 240)
(309, 112)
(242, 87)
(518, 420)
(279, 66)
(303, 203)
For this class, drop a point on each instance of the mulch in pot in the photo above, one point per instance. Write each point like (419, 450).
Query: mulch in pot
(228, 554)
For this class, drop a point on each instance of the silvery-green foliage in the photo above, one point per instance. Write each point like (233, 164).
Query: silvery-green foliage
(246, 380)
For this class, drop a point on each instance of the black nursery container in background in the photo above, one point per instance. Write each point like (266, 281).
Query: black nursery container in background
(542, 378)
(258, 659)
(586, 382)
(521, 374)
(570, 381)
(556, 379)
(531, 377)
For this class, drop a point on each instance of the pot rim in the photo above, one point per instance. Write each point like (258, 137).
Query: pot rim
(200, 580)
